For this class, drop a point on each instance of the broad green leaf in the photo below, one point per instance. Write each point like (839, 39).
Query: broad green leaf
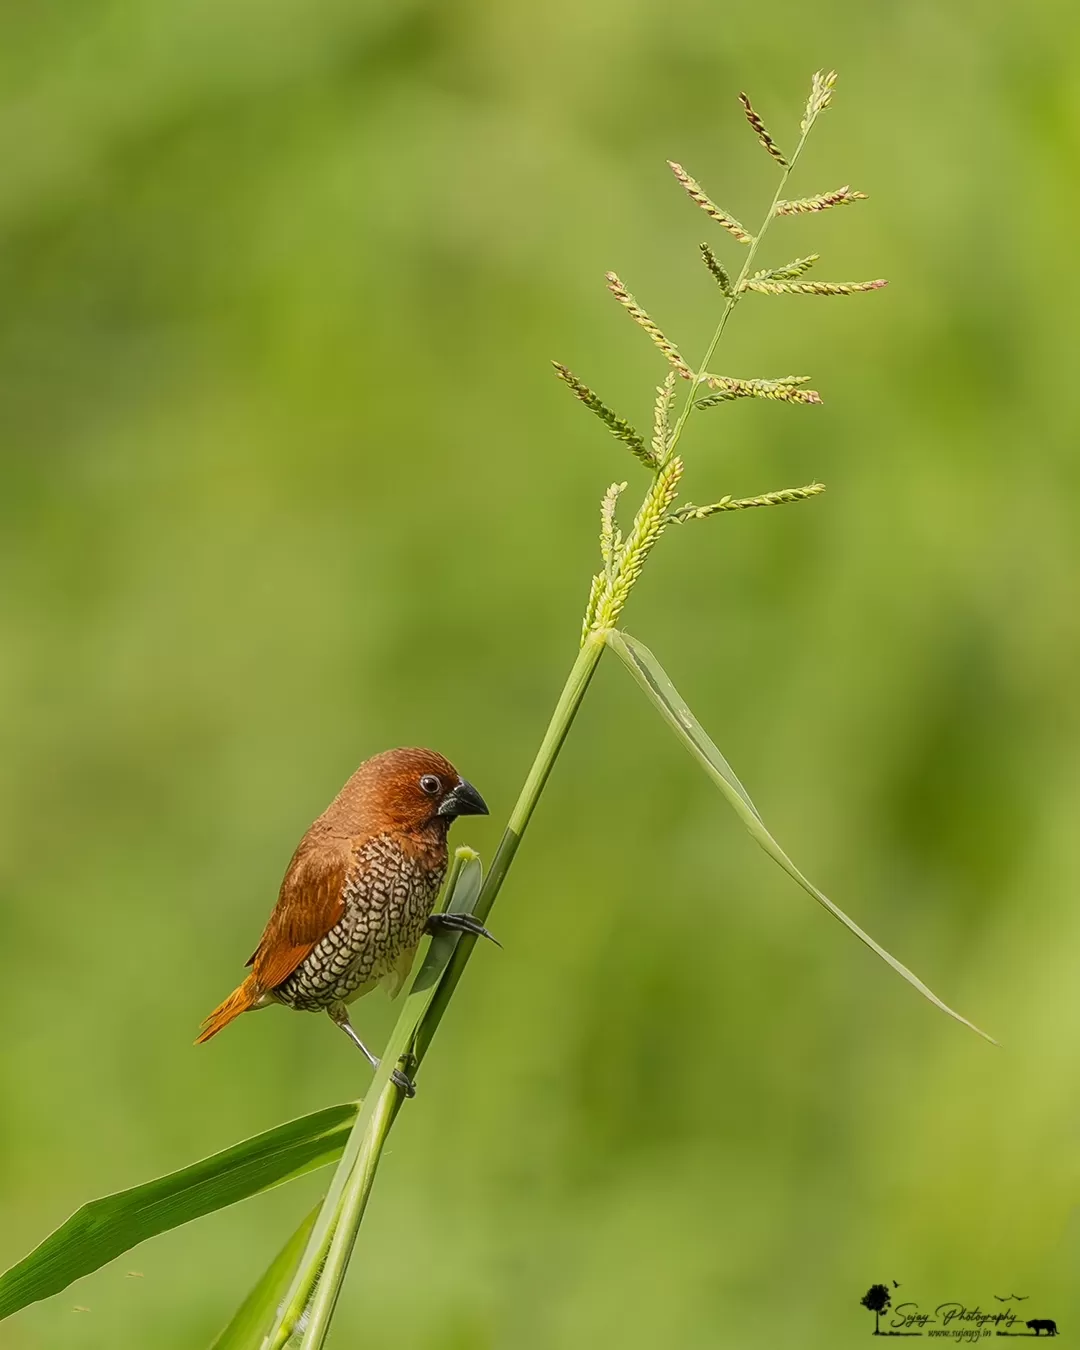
(462, 888)
(649, 673)
(247, 1328)
(105, 1228)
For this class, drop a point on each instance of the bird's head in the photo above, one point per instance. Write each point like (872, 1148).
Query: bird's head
(413, 789)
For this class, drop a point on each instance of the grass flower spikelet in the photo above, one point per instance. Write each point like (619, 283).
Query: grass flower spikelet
(647, 528)
(619, 291)
(767, 287)
(787, 389)
(610, 538)
(713, 263)
(821, 92)
(780, 498)
(762, 135)
(665, 394)
(789, 271)
(595, 591)
(802, 206)
(618, 426)
(697, 194)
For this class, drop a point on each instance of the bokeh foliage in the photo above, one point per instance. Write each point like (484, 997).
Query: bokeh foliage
(286, 479)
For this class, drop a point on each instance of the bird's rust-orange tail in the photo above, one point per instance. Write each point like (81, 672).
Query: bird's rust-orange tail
(240, 1000)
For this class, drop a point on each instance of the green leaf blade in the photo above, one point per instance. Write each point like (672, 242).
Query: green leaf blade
(652, 677)
(106, 1228)
(248, 1326)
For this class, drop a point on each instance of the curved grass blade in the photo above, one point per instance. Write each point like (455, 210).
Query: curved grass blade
(106, 1228)
(649, 673)
(246, 1330)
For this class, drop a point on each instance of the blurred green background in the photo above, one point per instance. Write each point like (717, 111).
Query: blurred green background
(286, 479)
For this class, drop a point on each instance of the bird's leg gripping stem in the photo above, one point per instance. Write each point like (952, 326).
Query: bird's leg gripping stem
(340, 1017)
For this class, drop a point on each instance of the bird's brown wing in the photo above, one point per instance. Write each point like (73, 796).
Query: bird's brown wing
(309, 905)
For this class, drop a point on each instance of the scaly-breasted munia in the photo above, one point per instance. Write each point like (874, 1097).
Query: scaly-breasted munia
(359, 892)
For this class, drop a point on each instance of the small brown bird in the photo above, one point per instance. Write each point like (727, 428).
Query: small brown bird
(358, 893)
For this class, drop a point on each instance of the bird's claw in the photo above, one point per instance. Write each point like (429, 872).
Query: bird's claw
(404, 1082)
(460, 923)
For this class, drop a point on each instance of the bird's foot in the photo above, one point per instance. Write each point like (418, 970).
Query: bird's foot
(400, 1078)
(460, 923)
(340, 1016)
(404, 1082)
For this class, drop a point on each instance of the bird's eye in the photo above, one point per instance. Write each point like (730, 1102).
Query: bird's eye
(430, 784)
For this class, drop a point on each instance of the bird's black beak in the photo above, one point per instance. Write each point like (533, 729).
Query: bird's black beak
(463, 800)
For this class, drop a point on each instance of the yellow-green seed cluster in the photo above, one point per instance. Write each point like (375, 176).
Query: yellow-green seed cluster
(619, 291)
(779, 498)
(789, 271)
(802, 206)
(610, 536)
(588, 623)
(618, 426)
(821, 91)
(788, 389)
(716, 267)
(767, 287)
(647, 528)
(665, 395)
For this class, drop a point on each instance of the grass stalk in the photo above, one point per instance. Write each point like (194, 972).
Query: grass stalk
(577, 682)
(353, 1203)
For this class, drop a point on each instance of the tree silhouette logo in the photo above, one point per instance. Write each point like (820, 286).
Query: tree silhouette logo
(877, 1298)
